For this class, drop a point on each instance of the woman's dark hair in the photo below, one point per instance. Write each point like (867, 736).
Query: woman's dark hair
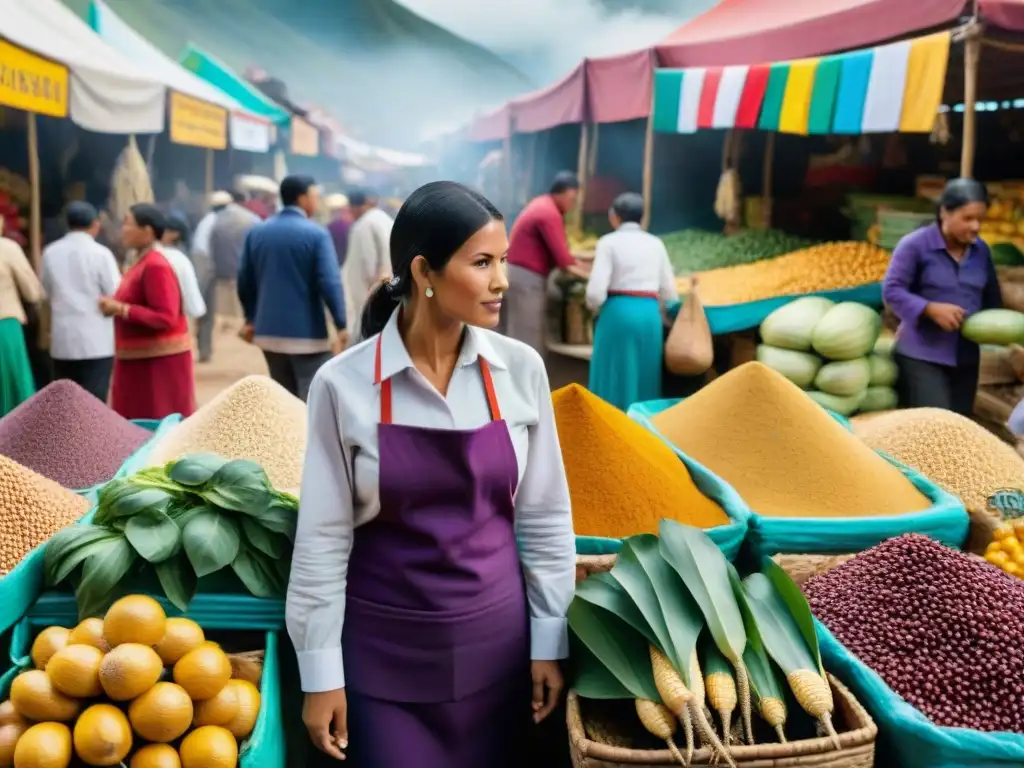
(147, 215)
(180, 226)
(629, 206)
(961, 192)
(434, 222)
(80, 216)
(564, 181)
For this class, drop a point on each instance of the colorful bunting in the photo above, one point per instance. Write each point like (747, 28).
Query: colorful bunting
(796, 103)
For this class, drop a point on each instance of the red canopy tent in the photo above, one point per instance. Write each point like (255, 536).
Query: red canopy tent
(619, 87)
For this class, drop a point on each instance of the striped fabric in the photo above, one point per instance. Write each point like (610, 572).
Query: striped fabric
(894, 87)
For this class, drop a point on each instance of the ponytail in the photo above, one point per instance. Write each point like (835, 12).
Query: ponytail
(383, 301)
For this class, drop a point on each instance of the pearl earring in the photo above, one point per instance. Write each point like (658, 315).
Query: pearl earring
(430, 293)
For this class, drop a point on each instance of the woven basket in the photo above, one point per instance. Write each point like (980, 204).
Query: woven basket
(596, 742)
(804, 567)
(588, 564)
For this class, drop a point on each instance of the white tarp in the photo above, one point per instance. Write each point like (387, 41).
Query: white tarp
(359, 153)
(247, 131)
(108, 93)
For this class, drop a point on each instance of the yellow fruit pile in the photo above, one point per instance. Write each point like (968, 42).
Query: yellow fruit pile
(1006, 551)
(825, 267)
(97, 694)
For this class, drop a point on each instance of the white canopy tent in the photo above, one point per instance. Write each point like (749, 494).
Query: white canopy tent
(370, 157)
(108, 92)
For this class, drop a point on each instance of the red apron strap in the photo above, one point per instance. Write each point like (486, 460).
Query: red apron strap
(492, 397)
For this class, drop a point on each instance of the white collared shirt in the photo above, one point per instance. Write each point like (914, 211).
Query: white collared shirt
(191, 297)
(340, 483)
(630, 259)
(77, 272)
(367, 261)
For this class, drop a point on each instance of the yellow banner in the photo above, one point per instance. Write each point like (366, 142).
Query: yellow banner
(305, 138)
(198, 123)
(31, 83)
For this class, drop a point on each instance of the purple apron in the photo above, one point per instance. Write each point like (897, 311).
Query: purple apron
(436, 637)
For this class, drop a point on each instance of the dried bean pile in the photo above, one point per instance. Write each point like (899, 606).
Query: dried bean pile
(941, 628)
(67, 435)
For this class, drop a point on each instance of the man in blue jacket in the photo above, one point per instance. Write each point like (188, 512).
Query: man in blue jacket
(287, 274)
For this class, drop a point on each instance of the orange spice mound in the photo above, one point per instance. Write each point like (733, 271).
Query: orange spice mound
(623, 479)
(782, 452)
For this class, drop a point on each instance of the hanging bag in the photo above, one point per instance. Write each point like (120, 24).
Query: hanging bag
(689, 350)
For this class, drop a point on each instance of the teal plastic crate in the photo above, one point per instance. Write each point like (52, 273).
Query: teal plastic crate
(265, 747)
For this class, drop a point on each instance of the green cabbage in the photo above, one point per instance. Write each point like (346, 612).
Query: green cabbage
(995, 326)
(844, 378)
(879, 399)
(791, 325)
(844, 406)
(885, 345)
(847, 331)
(798, 367)
(883, 371)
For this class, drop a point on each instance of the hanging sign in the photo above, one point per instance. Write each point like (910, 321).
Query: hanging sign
(249, 134)
(31, 83)
(198, 123)
(305, 138)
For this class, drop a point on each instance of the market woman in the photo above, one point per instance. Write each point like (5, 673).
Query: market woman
(630, 283)
(152, 346)
(434, 525)
(18, 286)
(940, 275)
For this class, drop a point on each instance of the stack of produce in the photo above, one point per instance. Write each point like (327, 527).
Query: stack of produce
(893, 226)
(697, 250)
(825, 267)
(1004, 222)
(672, 624)
(32, 509)
(102, 692)
(1006, 550)
(255, 419)
(938, 626)
(863, 210)
(781, 452)
(830, 350)
(951, 450)
(67, 435)
(195, 517)
(623, 479)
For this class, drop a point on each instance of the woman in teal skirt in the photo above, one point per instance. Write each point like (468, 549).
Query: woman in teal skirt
(18, 286)
(629, 286)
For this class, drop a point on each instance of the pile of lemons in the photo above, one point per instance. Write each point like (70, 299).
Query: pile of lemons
(1006, 551)
(134, 683)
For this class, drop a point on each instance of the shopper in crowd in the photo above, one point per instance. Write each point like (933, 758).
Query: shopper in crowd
(19, 286)
(434, 558)
(174, 246)
(202, 260)
(227, 238)
(369, 254)
(341, 221)
(631, 281)
(288, 274)
(153, 350)
(538, 245)
(939, 276)
(77, 273)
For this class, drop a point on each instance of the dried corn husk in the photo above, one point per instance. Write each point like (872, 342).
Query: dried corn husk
(130, 184)
(247, 666)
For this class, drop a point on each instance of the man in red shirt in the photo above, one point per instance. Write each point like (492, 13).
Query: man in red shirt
(537, 245)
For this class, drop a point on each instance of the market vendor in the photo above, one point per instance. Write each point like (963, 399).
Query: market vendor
(630, 283)
(538, 245)
(938, 276)
(434, 523)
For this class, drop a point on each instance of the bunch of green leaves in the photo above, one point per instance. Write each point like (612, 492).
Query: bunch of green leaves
(184, 521)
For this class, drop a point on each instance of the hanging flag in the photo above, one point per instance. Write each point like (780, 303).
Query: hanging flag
(689, 100)
(730, 89)
(708, 96)
(796, 102)
(754, 86)
(883, 105)
(823, 97)
(926, 80)
(854, 73)
(771, 107)
(668, 89)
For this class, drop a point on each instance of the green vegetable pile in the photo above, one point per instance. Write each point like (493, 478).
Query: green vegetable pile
(833, 351)
(998, 327)
(673, 627)
(180, 522)
(698, 250)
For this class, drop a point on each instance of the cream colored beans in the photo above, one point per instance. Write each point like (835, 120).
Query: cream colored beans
(255, 419)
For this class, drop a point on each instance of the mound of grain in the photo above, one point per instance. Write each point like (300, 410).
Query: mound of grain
(622, 478)
(959, 455)
(64, 433)
(32, 509)
(782, 452)
(254, 419)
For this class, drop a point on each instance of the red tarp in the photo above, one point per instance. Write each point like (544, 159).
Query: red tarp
(757, 31)
(619, 87)
(558, 104)
(491, 126)
(1005, 14)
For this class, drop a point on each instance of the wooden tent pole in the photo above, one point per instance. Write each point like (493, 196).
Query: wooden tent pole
(648, 170)
(766, 181)
(209, 173)
(531, 166)
(35, 209)
(581, 174)
(592, 158)
(972, 54)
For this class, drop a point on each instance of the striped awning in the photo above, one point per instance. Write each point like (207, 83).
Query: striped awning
(885, 89)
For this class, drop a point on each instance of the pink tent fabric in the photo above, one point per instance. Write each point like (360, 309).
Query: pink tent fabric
(495, 125)
(557, 104)
(1004, 14)
(619, 87)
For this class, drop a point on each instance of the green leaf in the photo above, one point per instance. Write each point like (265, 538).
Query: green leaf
(258, 579)
(240, 486)
(154, 535)
(211, 540)
(712, 662)
(590, 677)
(271, 544)
(178, 580)
(604, 591)
(779, 631)
(622, 650)
(703, 569)
(764, 683)
(279, 519)
(798, 606)
(630, 575)
(196, 469)
(67, 548)
(131, 502)
(101, 572)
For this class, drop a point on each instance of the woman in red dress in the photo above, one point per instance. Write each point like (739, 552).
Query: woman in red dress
(153, 349)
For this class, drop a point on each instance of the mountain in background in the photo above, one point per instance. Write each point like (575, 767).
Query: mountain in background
(387, 74)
